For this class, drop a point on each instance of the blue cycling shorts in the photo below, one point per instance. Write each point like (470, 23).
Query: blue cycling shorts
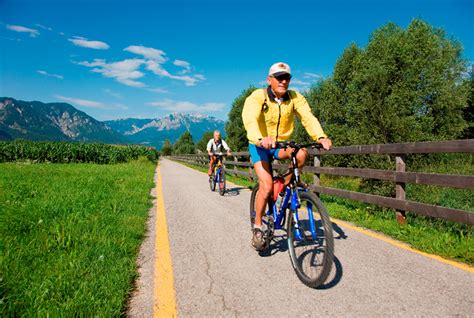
(258, 154)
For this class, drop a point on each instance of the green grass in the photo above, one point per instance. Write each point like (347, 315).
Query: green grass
(447, 239)
(70, 235)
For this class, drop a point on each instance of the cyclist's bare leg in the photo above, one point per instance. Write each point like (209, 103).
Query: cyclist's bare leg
(211, 165)
(262, 169)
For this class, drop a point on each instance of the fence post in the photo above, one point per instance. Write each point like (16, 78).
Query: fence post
(400, 189)
(316, 176)
(235, 167)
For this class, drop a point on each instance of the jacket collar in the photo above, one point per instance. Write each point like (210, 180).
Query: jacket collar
(272, 96)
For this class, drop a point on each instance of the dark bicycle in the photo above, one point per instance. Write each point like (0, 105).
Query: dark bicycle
(309, 231)
(218, 175)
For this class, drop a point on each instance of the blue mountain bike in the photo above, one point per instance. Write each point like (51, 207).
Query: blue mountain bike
(308, 228)
(218, 175)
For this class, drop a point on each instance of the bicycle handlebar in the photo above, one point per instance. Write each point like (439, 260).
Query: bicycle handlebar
(295, 145)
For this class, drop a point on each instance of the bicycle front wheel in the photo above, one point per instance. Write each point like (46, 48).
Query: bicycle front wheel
(212, 182)
(221, 182)
(310, 241)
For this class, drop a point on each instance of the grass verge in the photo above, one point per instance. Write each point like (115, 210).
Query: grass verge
(70, 237)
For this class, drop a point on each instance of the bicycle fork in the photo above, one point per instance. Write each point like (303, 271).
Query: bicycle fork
(295, 205)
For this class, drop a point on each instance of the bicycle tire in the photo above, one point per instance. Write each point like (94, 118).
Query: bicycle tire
(212, 182)
(267, 219)
(222, 182)
(317, 255)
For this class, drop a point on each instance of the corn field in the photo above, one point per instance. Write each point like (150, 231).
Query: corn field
(69, 152)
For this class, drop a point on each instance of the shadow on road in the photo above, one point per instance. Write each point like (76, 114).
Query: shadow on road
(234, 191)
(278, 244)
(335, 275)
(339, 231)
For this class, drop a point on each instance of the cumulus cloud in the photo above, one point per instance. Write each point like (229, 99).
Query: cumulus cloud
(125, 72)
(83, 42)
(21, 29)
(147, 52)
(50, 75)
(185, 106)
(187, 79)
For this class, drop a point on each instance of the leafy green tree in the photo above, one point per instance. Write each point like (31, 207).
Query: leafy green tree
(202, 144)
(167, 148)
(469, 111)
(184, 145)
(404, 86)
(234, 128)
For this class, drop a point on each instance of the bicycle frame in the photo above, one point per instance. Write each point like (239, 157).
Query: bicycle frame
(217, 170)
(291, 200)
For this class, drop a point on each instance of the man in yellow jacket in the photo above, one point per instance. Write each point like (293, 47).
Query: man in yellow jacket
(268, 116)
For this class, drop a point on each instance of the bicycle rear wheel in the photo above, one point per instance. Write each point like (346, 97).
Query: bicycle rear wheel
(311, 252)
(221, 181)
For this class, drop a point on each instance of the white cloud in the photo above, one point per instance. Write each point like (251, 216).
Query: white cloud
(158, 90)
(44, 27)
(80, 41)
(298, 82)
(81, 102)
(18, 28)
(113, 93)
(148, 52)
(185, 106)
(125, 72)
(91, 104)
(312, 75)
(159, 70)
(50, 75)
(185, 65)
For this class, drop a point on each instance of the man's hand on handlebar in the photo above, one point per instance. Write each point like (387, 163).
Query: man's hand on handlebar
(266, 142)
(326, 143)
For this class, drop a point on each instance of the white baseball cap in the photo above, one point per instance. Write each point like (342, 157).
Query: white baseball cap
(279, 69)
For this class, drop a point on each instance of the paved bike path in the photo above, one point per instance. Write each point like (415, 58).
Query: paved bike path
(216, 273)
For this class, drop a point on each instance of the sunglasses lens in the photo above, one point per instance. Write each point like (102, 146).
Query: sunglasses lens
(286, 77)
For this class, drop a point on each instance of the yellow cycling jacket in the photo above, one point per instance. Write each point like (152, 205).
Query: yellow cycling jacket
(263, 117)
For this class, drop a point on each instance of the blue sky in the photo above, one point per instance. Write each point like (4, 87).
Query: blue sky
(146, 59)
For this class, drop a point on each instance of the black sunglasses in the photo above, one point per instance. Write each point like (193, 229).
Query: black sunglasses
(283, 77)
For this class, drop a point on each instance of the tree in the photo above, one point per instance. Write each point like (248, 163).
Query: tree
(202, 144)
(404, 86)
(167, 148)
(469, 110)
(234, 128)
(184, 145)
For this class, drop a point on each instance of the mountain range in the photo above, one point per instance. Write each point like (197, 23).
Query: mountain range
(62, 122)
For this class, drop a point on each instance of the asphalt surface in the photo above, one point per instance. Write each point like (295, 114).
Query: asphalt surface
(218, 274)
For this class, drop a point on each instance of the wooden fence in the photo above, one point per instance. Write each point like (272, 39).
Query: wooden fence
(399, 175)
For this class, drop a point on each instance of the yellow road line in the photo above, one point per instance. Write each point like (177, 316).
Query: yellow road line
(164, 294)
(398, 244)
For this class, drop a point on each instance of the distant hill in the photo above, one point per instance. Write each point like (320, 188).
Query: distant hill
(51, 121)
(154, 132)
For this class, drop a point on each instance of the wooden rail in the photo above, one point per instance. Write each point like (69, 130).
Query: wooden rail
(242, 166)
